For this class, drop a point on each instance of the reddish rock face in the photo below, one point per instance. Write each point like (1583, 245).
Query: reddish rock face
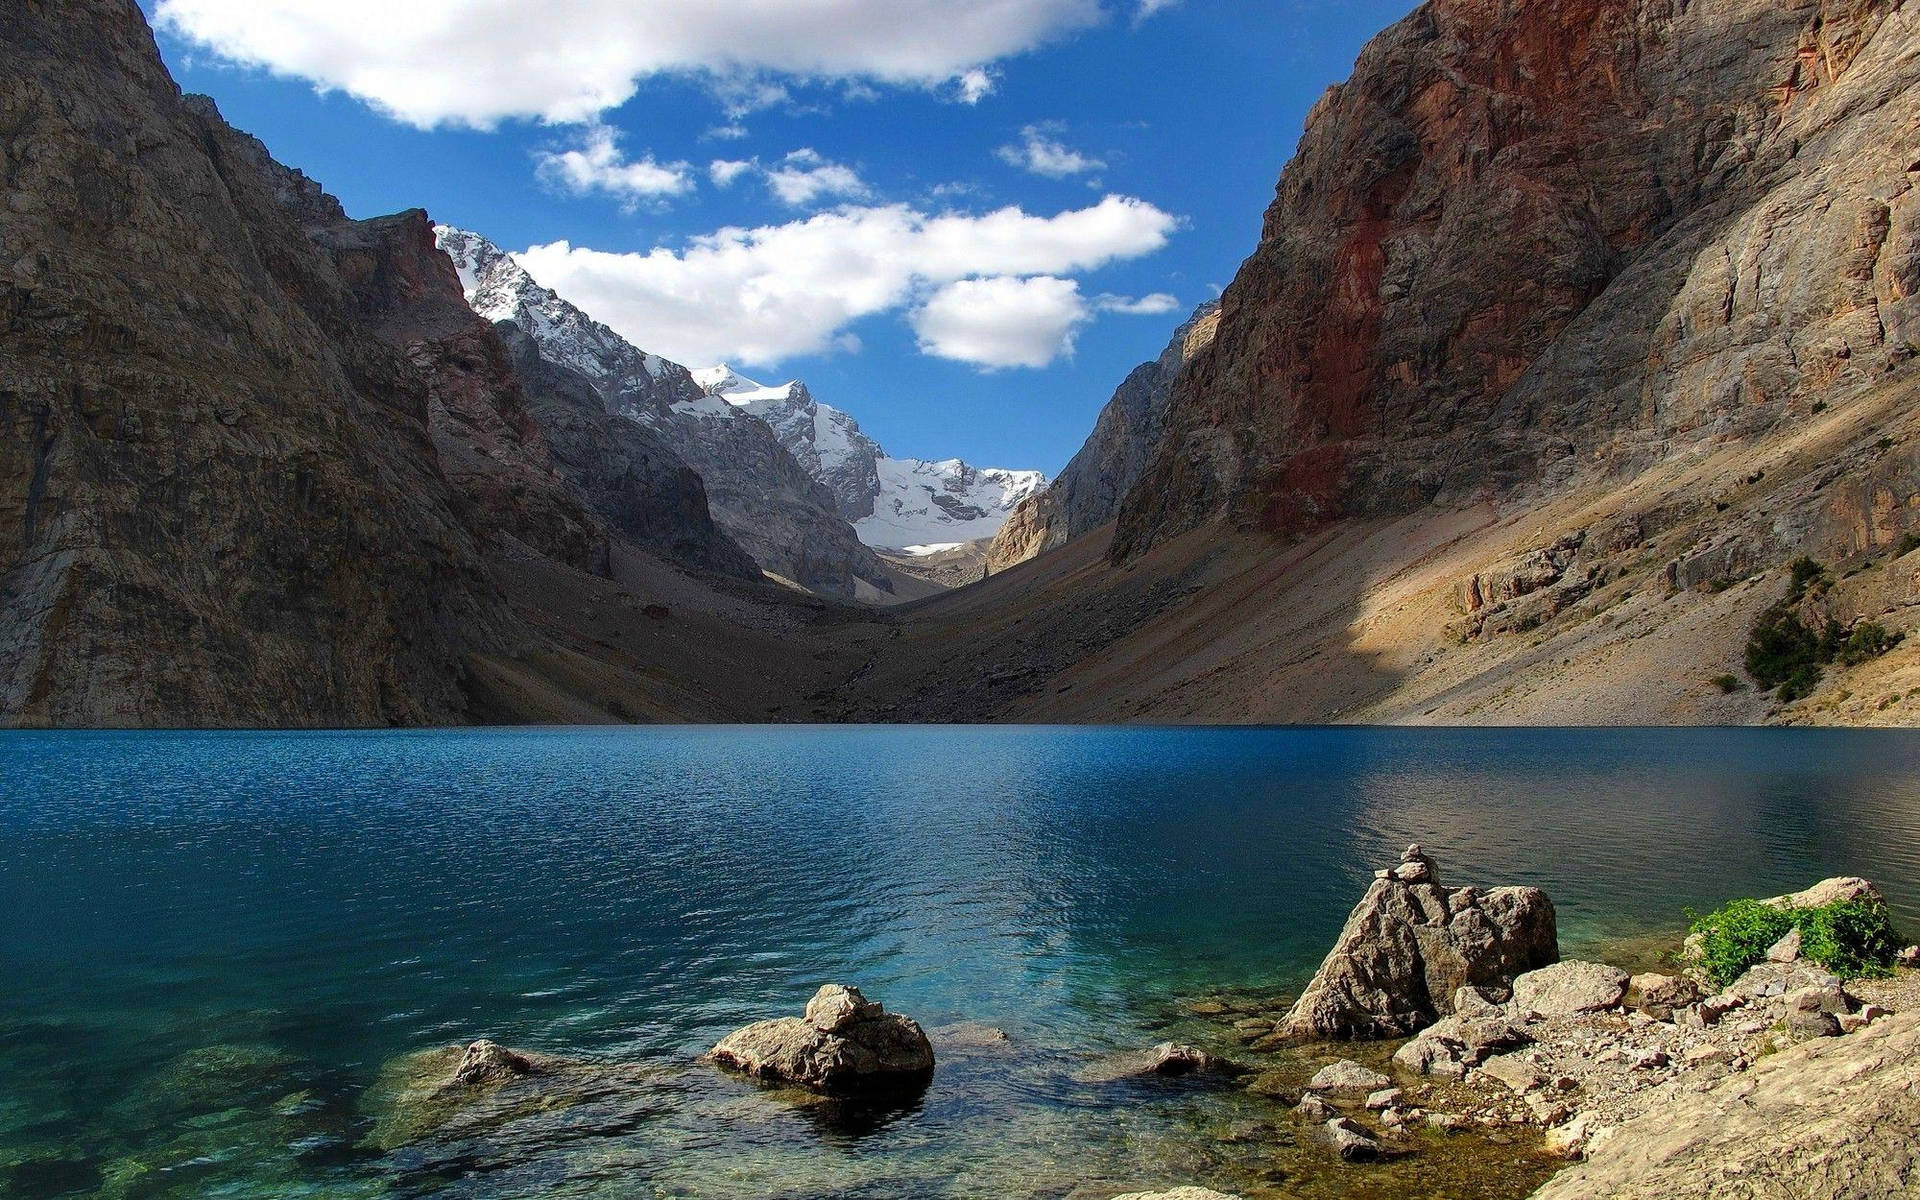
(1532, 240)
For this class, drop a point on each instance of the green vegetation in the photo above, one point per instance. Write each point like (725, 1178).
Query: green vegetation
(1851, 938)
(1728, 684)
(1786, 653)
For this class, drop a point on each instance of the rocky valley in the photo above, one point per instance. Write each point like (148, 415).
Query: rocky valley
(1571, 330)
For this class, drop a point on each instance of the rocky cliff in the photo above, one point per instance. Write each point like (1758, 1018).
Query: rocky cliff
(220, 498)
(759, 493)
(1088, 492)
(1534, 244)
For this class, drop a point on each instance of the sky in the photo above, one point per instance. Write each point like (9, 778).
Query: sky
(961, 221)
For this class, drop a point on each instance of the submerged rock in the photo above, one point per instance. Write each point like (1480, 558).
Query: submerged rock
(457, 1095)
(1179, 1193)
(845, 1042)
(1409, 947)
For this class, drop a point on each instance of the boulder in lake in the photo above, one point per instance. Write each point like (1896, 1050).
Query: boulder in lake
(1411, 944)
(844, 1043)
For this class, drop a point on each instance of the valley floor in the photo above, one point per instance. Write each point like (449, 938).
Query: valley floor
(1365, 621)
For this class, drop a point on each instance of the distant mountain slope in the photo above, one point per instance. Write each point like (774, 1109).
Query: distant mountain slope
(759, 493)
(899, 504)
(1088, 492)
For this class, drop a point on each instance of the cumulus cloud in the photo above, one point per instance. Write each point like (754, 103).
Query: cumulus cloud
(478, 62)
(1002, 321)
(1145, 306)
(599, 165)
(973, 85)
(805, 177)
(1041, 153)
(724, 171)
(762, 295)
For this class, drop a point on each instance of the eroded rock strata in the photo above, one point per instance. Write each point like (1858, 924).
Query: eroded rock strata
(1529, 244)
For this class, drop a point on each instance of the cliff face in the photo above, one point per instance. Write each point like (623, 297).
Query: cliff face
(1088, 492)
(624, 471)
(219, 499)
(1533, 243)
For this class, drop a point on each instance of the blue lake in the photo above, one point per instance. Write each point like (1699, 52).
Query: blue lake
(211, 944)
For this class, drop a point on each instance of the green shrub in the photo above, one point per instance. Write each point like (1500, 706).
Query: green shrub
(1781, 650)
(1728, 684)
(1868, 640)
(1850, 938)
(1785, 652)
(1806, 572)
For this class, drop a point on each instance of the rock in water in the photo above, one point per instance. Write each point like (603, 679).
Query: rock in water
(489, 1062)
(1411, 944)
(844, 1043)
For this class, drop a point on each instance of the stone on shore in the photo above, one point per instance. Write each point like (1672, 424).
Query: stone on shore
(1179, 1193)
(844, 1043)
(1409, 947)
(1569, 988)
(1837, 890)
(1660, 996)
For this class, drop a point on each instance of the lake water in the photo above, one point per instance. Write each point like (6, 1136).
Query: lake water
(212, 943)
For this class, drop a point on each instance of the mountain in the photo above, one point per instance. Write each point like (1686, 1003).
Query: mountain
(1088, 492)
(221, 500)
(905, 505)
(760, 494)
(1572, 331)
(1530, 246)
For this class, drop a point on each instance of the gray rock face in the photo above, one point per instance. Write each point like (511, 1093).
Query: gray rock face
(758, 493)
(1411, 944)
(625, 471)
(844, 1043)
(1527, 246)
(219, 498)
(1088, 492)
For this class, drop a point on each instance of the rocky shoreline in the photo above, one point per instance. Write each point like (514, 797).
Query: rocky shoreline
(1522, 1070)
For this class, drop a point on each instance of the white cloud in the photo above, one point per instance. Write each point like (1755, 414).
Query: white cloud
(1148, 8)
(478, 62)
(727, 133)
(1043, 154)
(759, 296)
(974, 85)
(598, 165)
(1002, 321)
(1146, 306)
(724, 171)
(806, 177)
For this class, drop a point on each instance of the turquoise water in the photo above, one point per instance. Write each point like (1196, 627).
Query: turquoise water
(213, 942)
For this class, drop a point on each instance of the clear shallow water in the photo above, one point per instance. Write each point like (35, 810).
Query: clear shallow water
(212, 942)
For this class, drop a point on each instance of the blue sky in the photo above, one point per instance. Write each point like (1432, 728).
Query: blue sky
(932, 199)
